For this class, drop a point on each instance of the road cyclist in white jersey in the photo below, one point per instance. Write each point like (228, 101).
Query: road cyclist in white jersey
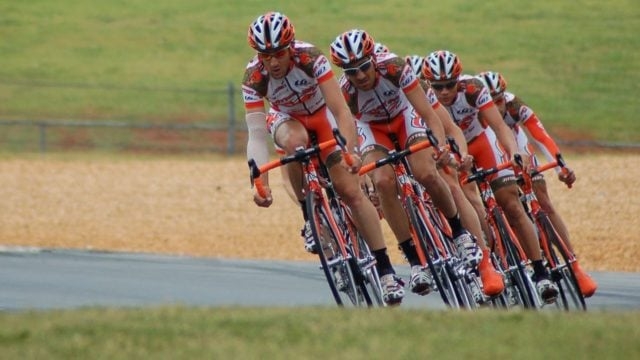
(526, 126)
(490, 142)
(492, 281)
(295, 79)
(387, 101)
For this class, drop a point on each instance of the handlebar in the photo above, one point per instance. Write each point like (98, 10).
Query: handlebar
(395, 156)
(301, 154)
(480, 174)
(552, 164)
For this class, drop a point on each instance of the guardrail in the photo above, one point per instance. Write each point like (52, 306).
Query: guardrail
(44, 126)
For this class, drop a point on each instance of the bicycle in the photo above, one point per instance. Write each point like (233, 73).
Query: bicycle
(434, 248)
(551, 242)
(507, 254)
(345, 258)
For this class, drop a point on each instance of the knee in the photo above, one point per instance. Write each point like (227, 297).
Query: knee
(428, 178)
(385, 184)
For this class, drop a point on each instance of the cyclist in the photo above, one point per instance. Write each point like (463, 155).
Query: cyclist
(387, 102)
(492, 281)
(518, 116)
(490, 142)
(296, 79)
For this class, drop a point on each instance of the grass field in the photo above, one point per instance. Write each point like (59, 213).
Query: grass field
(576, 63)
(316, 333)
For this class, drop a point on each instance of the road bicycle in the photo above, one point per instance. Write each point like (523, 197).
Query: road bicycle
(456, 285)
(558, 257)
(507, 254)
(345, 258)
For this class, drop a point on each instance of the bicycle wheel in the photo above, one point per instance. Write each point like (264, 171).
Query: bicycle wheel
(562, 274)
(335, 266)
(367, 267)
(366, 264)
(516, 274)
(443, 274)
(361, 261)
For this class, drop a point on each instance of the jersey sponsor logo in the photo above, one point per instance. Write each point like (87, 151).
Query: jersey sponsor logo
(389, 93)
(250, 95)
(484, 97)
(525, 112)
(464, 111)
(321, 67)
(416, 121)
(407, 78)
(301, 82)
(466, 122)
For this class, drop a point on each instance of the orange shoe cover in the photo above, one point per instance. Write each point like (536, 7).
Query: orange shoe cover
(492, 282)
(587, 285)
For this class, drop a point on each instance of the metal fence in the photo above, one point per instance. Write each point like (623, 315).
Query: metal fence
(46, 135)
(228, 136)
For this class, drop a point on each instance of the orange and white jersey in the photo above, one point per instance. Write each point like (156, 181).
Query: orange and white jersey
(472, 97)
(387, 99)
(295, 94)
(520, 115)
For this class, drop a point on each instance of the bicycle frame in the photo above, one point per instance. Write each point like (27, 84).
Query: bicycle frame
(325, 223)
(549, 237)
(433, 252)
(505, 246)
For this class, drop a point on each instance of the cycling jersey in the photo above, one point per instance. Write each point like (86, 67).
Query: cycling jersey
(385, 109)
(297, 93)
(295, 96)
(386, 100)
(482, 141)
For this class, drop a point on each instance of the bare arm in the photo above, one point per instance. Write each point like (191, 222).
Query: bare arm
(333, 97)
(451, 129)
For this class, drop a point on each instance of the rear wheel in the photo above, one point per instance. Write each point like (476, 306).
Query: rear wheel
(562, 273)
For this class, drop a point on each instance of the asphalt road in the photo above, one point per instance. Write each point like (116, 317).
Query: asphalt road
(61, 279)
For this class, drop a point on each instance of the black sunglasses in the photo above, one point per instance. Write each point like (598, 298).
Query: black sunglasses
(449, 85)
(354, 70)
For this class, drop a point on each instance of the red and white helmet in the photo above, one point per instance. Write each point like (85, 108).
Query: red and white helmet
(415, 61)
(270, 32)
(441, 65)
(351, 46)
(494, 81)
(380, 48)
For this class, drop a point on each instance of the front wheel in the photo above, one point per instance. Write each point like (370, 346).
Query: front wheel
(337, 266)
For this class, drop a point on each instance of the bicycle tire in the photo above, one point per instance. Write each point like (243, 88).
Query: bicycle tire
(336, 268)
(351, 234)
(562, 274)
(442, 274)
(517, 273)
(366, 262)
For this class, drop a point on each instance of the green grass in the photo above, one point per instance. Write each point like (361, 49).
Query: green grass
(316, 333)
(576, 63)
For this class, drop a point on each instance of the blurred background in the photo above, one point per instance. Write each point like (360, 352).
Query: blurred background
(160, 76)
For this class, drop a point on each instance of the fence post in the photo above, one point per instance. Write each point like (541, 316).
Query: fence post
(43, 137)
(231, 132)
